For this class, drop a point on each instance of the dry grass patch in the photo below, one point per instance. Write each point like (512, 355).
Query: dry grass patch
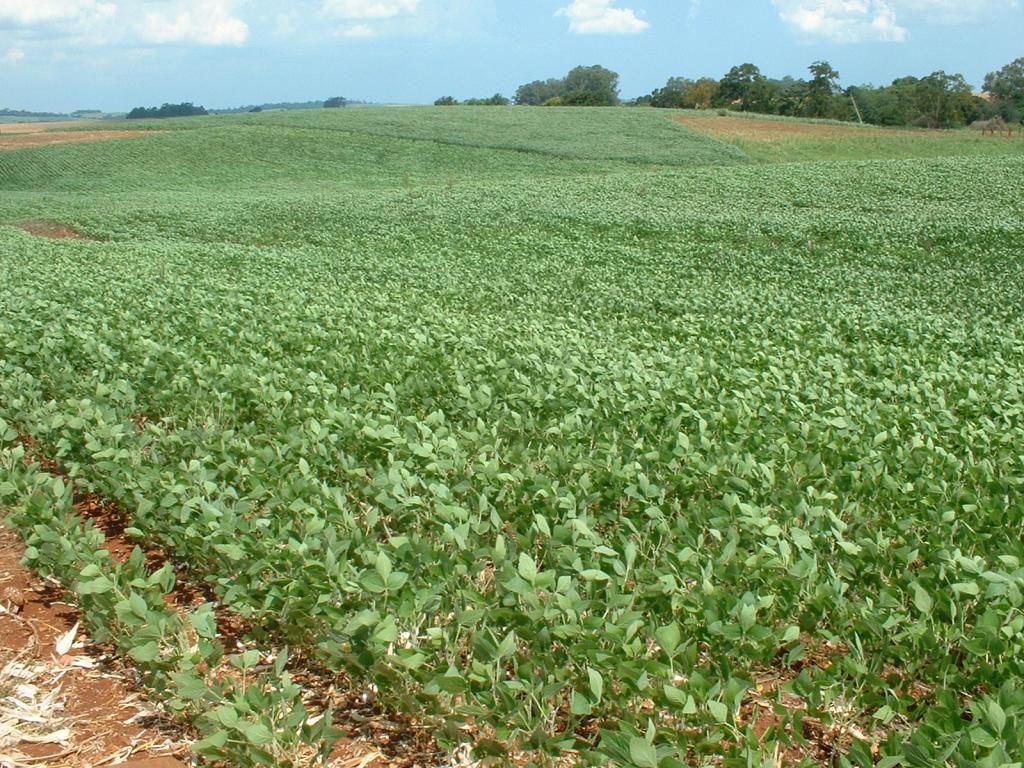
(7, 129)
(24, 140)
(754, 129)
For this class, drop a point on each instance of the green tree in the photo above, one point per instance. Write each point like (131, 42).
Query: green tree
(672, 95)
(792, 96)
(821, 89)
(940, 100)
(882, 106)
(702, 94)
(1006, 87)
(583, 86)
(764, 96)
(497, 100)
(904, 105)
(335, 102)
(446, 101)
(539, 91)
(734, 88)
(185, 109)
(944, 101)
(593, 86)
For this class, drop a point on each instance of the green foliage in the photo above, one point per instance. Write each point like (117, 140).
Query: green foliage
(251, 719)
(593, 86)
(735, 85)
(540, 92)
(1006, 86)
(497, 100)
(821, 90)
(185, 109)
(571, 455)
(939, 100)
(680, 93)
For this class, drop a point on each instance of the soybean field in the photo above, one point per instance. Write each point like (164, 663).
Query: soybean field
(574, 435)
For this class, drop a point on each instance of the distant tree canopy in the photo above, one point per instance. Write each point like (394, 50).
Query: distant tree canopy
(185, 109)
(680, 93)
(939, 100)
(278, 105)
(7, 112)
(539, 91)
(1006, 88)
(336, 102)
(736, 85)
(497, 100)
(821, 89)
(583, 87)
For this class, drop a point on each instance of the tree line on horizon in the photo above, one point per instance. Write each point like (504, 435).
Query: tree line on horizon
(8, 112)
(188, 109)
(938, 100)
(593, 86)
(185, 109)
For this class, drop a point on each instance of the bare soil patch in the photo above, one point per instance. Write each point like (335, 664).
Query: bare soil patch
(84, 709)
(53, 230)
(729, 126)
(52, 125)
(25, 139)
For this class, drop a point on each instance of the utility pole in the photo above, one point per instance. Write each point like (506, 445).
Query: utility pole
(856, 109)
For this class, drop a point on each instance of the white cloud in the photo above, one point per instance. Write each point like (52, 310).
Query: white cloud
(955, 11)
(357, 30)
(207, 22)
(856, 21)
(86, 24)
(31, 12)
(98, 22)
(599, 17)
(843, 21)
(369, 9)
(13, 56)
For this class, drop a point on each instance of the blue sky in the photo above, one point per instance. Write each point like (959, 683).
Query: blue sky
(114, 54)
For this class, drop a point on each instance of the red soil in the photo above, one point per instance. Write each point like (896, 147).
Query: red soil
(53, 230)
(105, 714)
